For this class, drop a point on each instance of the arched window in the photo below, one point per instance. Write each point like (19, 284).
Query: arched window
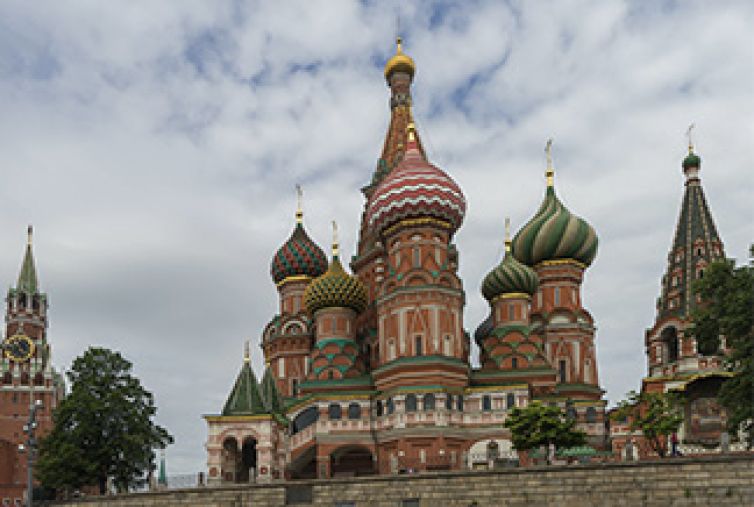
(429, 401)
(562, 371)
(486, 402)
(334, 412)
(669, 337)
(459, 403)
(514, 363)
(418, 345)
(379, 408)
(449, 402)
(591, 415)
(510, 400)
(354, 411)
(411, 403)
(390, 405)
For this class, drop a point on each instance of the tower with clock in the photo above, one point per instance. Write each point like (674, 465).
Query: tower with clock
(26, 372)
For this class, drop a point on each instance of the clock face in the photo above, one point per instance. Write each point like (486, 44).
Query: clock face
(19, 348)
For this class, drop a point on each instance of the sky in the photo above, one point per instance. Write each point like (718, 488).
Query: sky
(155, 147)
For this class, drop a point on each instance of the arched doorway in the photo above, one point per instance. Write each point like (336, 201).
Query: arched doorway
(304, 466)
(669, 337)
(352, 461)
(229, 463)
(247, 464)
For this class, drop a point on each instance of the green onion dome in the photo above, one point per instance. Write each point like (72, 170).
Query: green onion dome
(335, 288)
(691, 160)
(555, 233)
(508, 277)
(299, 256)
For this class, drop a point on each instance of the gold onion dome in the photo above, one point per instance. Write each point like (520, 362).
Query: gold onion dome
(554, 232)
(400, 62)
(509, 277)
(335, 288)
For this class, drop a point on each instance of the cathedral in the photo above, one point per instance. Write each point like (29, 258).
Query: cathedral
(26, 376)
(369, 371)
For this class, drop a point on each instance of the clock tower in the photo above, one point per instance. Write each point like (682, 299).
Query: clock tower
(26, 373)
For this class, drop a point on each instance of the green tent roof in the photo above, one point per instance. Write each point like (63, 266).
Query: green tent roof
(27, 278)
(245, 398)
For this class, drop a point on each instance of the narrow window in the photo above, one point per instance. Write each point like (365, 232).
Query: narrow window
(448, 346)
(557, 296)
(354, 411)
(449, 402)
(562, 370)
(591, 415)
(511, 312)
(418, 345)
(379, 408)
(334, 412)
(514, 363)
(294, 386)
(459, 403)
(417, 257)
(510, 400)
(390, 405)
(429, 401)
(281, 367)
(411, 403)
(486, 403)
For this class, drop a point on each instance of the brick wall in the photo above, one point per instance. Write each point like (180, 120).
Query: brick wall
(714, 481)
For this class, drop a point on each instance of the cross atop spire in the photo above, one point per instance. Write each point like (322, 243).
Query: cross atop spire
(688, 136)
(334, 239)
(550, 172)
(299, 204)
(507, 234)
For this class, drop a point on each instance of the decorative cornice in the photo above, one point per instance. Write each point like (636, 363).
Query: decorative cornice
(417, 222)
(511, 295)
(560, 262)
(295, 278)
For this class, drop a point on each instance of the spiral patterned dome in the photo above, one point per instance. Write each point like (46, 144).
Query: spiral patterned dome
(335, 288)
(298, 256)
(510, 276)
(416, 189)
(555, 233)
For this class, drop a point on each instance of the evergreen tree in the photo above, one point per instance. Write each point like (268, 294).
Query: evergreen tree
(537, 425)
(727, 293)
(103, 428)
(656, 415)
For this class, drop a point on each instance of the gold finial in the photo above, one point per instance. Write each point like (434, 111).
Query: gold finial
(398, 45)
(246, 355)
(550, 172)
(411, 130)
(507, 234)
(29, 234)
(688, 135)
(334, 239)
(299, 205)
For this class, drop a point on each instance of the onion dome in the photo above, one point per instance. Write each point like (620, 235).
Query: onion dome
(510, 276)
(335, 288)
(399, 62)
(691, 160)
(299, 256)
(554, 232)
(416, 189)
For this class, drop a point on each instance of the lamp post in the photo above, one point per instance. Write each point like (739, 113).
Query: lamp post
(30, 449)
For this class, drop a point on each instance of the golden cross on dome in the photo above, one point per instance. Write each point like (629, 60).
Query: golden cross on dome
(507, 234)
(334, 239)
(299, 205)
(688, 135)
(549, 173)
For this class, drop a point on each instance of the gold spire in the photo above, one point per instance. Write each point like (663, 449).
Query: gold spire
(550, 172)
(246, 355)
(299, 206)
(334, 239)
(29, 234)
(688, 135)
(507, 234)
(399, 61)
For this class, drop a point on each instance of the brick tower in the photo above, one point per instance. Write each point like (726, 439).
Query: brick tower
(26, 372)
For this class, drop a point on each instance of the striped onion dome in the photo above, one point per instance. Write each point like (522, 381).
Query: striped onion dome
(335, 288)
(508, 277)
(555, 233)
(416, 189)
(299, 256)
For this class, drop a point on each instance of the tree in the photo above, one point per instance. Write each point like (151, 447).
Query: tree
(727, 294)
(656, 415)
(102, 429)
(538, 424)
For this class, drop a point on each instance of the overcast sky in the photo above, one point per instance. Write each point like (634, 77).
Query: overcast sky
(155, 147)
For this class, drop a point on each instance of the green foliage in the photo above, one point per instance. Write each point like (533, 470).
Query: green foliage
(728, 310)
(538, 424)
(103, 428)
(656, 415)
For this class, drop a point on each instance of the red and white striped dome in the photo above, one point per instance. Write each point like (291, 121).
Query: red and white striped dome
(416, 189)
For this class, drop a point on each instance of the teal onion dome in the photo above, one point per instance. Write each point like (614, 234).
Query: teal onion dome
(508, 277)
(299, 256)
(335, 288)
(555, 233)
